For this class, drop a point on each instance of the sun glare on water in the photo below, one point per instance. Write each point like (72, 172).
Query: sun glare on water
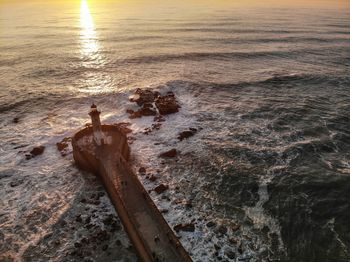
(89, 43)
(90, 51)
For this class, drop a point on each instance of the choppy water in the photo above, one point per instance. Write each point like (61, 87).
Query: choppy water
(269, 90)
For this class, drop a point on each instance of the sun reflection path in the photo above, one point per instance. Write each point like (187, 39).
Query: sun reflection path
(88, 37)
(94, 81)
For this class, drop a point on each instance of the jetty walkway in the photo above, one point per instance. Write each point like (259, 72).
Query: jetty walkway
(103, 149)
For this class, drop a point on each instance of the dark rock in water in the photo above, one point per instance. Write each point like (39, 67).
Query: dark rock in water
(222, 229)
(146, 111)
(78, 218)
(217, 248)
(142, 96)
(15, 120)
(230, 254)
(37, 150)
(235, 227)
(153, 178)
(169, 154)
(167, 104)
(161, 188)
(64, 145)
(233, 241)
(108, 220)
(142, 170)
(134, 115)
(187, 134)
(28, 156)
(130, 111)
(211, 224)
(185, 227)
(77, 245)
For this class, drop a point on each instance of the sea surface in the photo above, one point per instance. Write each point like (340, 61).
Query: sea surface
(267, 175)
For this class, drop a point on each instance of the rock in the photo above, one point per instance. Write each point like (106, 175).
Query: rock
(185, 227)
(134, 115)
(161, 188)
(167, 104)
(186, 134)
(78, 218)
(142, 170)
(104, 247)
(37, 150)
(230, 254)
(234, 228)
(15, 120)
(108, 220)
(217, 247)
(130, 111)
(169, 154)
(142, 96)
(222, 229)
(233, 241)
(146, 111)
(153, 178)
(77, 245)
(211, 224)
(63, 146)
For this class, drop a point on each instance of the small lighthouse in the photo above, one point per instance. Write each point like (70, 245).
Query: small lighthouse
(96, 125)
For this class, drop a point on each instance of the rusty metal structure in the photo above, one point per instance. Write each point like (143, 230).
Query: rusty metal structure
(103, 150)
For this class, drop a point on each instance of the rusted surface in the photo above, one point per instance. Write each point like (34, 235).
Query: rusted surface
(150, 234)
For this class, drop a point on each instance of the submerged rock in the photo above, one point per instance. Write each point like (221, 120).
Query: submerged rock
(37, 151)
(142, 96)
(63, 146)
(161, 188)
(187, 133)
(190, 227)
(142, 170)
(169, 154)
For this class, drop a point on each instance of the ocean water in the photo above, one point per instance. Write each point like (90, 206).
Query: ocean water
(267, 88)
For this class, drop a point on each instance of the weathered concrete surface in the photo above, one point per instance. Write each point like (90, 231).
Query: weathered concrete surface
(152, 237)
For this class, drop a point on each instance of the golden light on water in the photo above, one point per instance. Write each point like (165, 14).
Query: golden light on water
(88, 36)
(90, 50)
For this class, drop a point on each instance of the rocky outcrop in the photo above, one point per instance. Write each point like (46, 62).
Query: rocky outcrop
(36, 151)
(169, 154)
(63, 146)
(187, 133)
(142, 96)
(152, 103)
(167, 104)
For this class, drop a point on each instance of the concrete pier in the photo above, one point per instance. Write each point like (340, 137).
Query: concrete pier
(107, 155)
